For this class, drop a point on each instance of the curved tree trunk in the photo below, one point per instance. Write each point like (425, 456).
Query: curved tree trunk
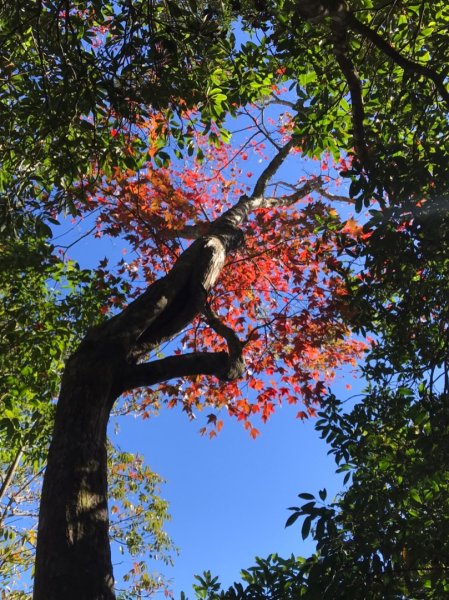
(73, 559)
(73, 555)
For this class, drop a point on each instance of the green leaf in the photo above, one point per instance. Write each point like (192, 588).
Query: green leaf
(305, 529)
(292, 519)
(306, 496)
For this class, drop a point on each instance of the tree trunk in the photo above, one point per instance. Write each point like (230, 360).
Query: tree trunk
(73, 559)
(73, 554)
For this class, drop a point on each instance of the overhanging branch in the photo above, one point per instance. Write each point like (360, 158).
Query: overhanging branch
(340, 45)
(173, 367)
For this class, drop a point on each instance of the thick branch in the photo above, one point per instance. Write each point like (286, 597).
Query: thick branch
(236, 362)
(172, 367)
(347, 67)
(170, 303)
(189, 298)
(397, 57)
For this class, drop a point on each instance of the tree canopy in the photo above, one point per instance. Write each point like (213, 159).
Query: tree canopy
(368, 78)
(101, 102)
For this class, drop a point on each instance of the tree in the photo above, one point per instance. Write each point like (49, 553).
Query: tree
(74, 493)
(356, 93)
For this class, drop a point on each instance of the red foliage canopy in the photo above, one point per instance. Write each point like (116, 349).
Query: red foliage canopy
(277, 292)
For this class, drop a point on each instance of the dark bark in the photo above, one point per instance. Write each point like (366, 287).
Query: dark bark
(73, 558)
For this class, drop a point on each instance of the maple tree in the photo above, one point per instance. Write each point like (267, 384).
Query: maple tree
(243, 311)
(278, 292)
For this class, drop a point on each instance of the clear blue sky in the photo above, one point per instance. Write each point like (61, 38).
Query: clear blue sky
(229, 495)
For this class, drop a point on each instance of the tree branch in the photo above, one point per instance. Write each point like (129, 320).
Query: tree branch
(172, 302)
(339, 38)
(272, 167)
(313, 185)
(336, 197)
(397, 57)
(236, 362)
(237, 214)
(318, 188)
(173, 367)
(10, 473)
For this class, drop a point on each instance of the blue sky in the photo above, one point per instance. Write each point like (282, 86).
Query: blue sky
(229, 496)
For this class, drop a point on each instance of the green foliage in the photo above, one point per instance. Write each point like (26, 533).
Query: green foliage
(137, 519)
(76, 83)
(73, 76)
(270, 578)
(398, 126)
(46, 306)
(400, 293)
(387, 534)
(17, 525)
